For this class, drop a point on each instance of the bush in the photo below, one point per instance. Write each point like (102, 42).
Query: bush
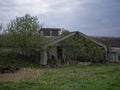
(8, 54)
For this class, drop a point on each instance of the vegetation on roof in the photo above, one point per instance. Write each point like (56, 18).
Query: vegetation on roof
(80, 48)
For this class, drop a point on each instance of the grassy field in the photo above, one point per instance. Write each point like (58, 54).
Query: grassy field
(94, 77)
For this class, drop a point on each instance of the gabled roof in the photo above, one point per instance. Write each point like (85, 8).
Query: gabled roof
(109, 41)
(59, 39)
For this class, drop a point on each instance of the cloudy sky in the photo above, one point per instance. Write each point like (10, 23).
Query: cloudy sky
(92, 17)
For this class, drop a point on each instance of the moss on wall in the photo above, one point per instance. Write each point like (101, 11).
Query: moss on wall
(81, 48)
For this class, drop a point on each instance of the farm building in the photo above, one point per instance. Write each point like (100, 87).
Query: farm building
(74, 46)
(68, 47)
(113, 46)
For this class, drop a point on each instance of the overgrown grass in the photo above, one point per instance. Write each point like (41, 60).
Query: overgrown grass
(94, 77)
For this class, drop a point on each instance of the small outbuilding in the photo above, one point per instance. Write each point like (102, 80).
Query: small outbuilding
(113, 47)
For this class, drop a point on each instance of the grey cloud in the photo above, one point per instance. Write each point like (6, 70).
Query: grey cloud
(92, 17)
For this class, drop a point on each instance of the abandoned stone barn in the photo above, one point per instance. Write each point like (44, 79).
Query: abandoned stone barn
(59, 49)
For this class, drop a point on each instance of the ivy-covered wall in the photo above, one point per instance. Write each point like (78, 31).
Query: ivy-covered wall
(83, 49)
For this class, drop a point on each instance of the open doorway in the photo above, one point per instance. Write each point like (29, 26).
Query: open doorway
(59, 53)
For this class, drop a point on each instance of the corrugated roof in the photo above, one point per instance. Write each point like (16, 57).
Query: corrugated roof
(109, 41)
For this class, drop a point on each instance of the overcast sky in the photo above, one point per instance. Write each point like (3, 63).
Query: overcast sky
(91, 17)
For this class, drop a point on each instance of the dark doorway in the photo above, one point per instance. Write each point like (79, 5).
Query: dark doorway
(59, 53)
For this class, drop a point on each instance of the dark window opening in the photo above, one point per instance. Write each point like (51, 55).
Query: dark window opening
(54, 33)
(46, 33)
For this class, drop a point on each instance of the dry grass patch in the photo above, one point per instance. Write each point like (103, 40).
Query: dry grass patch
(23, 74)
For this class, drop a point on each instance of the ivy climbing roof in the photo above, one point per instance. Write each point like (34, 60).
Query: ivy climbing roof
(58, 39)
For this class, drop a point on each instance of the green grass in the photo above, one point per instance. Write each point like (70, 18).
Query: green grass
(94, 77)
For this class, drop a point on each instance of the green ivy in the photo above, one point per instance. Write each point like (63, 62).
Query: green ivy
(81, 48)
